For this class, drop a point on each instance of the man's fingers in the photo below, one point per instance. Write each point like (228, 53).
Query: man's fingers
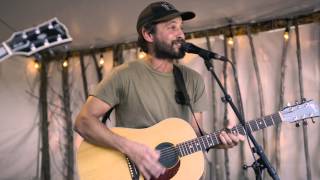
(152, 163)
(224, 137)
(239, 136)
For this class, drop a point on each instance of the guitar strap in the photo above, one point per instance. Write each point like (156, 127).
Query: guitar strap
(182, 97)
(106, 116)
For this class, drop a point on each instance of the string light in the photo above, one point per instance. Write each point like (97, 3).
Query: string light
(36, 64)
(286, 34)
(101, 60)
(66, 60)
(141, 55)
(230, 41)
(65, 63)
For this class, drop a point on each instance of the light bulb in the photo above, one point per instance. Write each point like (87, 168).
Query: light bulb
(65, 63)
(230, 41)
(286, 35)
(101, 60)
(141, 55)
(36, 64)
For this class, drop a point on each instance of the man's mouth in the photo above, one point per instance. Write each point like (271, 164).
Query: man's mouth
(178, 42)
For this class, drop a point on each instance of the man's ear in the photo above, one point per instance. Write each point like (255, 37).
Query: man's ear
(148, 36)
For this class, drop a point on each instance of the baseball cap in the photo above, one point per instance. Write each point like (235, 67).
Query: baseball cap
(161, 11)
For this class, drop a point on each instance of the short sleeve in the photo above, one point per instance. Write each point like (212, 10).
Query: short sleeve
(109, 89)
(200, 100)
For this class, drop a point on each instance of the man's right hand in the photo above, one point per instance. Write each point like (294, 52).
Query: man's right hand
(146, 159)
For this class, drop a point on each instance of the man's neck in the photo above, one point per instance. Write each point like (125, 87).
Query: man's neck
(161, 65)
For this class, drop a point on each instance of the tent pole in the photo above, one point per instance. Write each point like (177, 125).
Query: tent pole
(45, 160)
(215, 172)
(225, 118)
(84, 77)
(283, 67)
(98, 69)
(260, 90)
(304, 128)
(243, 174)
(69, 155)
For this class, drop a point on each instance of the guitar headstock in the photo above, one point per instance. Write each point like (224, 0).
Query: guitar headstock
(32, 40)
(295, 113)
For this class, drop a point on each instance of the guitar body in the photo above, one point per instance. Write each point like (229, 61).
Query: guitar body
(97, 163)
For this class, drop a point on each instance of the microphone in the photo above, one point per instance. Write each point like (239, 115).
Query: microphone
(191, 48)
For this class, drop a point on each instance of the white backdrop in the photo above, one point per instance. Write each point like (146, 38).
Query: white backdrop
(19, 84)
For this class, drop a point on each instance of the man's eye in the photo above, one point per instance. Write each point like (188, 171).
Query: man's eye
(172, 27)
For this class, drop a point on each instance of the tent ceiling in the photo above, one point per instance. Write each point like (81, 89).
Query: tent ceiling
(98, 23)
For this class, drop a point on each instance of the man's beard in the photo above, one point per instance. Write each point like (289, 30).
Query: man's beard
(163, 50)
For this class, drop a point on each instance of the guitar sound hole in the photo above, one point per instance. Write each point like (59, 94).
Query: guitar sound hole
(168, 154)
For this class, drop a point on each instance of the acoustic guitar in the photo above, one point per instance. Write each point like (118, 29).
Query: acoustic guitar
(180, 148)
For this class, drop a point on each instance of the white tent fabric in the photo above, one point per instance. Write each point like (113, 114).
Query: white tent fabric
(19, 132)
(100, 23)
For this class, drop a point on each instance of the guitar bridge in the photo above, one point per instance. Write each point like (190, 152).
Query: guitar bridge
(134, 172)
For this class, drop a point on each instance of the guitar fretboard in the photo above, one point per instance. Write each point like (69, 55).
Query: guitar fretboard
(207, 141)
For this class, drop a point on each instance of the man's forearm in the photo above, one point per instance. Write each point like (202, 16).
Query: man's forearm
(92, 130)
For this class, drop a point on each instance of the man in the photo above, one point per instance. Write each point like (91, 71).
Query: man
(143, 92)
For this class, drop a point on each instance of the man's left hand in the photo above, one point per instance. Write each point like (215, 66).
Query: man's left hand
(229, 140)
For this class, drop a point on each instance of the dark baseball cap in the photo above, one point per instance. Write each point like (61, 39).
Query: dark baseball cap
(161, 11)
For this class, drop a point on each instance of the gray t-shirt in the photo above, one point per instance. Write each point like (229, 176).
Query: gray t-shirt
(143, 96)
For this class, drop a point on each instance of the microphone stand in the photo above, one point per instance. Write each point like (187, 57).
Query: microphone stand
(262, 162)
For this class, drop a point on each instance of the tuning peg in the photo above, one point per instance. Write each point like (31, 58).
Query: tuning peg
(50, 26)
(37, 31)
(24, 35)
(59, 37)
(288, 104)
(313, 121)
(38, 56)
(305, 123)
(46, 42)
(297, 125)
(33, 47)
(297, 102)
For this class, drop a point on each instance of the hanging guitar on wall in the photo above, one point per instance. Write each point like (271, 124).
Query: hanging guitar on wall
(32, 40)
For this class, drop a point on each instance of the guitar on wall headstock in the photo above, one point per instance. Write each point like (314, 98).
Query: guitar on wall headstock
(32, 40)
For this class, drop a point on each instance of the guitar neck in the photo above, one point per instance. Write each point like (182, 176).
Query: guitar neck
(209, 140)
(4, 52)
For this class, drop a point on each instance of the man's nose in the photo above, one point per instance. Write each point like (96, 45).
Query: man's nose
(180, 34)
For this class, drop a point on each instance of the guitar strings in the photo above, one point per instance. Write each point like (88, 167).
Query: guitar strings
(174, 150)
(187, 147)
